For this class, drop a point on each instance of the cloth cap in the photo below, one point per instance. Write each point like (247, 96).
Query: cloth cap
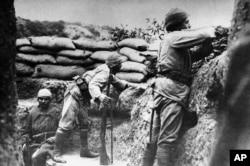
(174, 17)
(44, 93)
(114, 60)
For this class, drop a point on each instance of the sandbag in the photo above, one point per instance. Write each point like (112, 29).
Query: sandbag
(93, 45)
(22, 42)
(23, 69)
(129, 66)
(138, 44)
(69, 61)
(133, 55)
(149, 53)
(55, 43)
(131, 76)
(33, 50)
(154, 46)
(95, 65)
(103, 55)
(58, 72)
(44, 58)
(77, 53)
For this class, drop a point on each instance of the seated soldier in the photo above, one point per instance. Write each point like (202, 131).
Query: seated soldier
(42, 123)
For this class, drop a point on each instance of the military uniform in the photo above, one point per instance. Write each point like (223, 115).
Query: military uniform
(97, 80)
(73, 100)
(171, 89)
(42, 124)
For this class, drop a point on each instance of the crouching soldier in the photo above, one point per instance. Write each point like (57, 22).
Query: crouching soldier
(92, 82)
(42, 124)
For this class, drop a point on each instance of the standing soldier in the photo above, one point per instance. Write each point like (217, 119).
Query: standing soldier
(42, 124)
(172, 84)
(93, 81)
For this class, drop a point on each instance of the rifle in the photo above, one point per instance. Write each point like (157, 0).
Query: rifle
(42, 137)
(111, 127)
(151, 125)
(104, 160)
(28, 159)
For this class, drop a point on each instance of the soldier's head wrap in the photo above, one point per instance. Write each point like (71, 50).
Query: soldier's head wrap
(114, 60)
(174, 17)
(44, 93)
(79, 80)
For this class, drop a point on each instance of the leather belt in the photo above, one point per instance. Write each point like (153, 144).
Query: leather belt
(176, 76)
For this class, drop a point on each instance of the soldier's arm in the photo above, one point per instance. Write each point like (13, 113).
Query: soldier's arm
(202, 51)
(123, 84)
(191, 38)
(98, 82)
(118, 83)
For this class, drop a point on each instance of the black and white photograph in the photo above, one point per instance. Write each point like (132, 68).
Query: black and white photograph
(125, 83)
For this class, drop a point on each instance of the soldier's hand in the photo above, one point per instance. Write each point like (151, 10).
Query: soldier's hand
(221, 31)
(104, 99)
(51, 140)
(25, 138)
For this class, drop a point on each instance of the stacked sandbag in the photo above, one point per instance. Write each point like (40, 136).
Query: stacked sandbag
(137, 44)
(136, 68)
(62, 58)
(57, 71)
(23, 69)
(102, 56)
(50, 57)
(101, 50)
(93, 45)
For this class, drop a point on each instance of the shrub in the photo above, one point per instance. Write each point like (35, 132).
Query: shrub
(152, 32)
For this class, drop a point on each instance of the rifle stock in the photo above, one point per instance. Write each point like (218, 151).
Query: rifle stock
(104, 159)
(29, 161)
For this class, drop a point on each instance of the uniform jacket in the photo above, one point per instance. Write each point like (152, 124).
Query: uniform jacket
(73, 100)
(40, 122)
(98, 79)
(174, 55)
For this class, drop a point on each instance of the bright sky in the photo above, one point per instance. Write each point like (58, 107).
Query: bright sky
(131, 12)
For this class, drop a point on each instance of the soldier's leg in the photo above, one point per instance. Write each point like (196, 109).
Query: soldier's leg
(148, 157)
(26, 157)
(84, 133)
(85, 152)
(61, 137)
(150, 151)
(27, 153)
(40, 156)
(66, 125)
(171, 121)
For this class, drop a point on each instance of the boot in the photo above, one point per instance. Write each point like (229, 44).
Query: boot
(163, 157)
(58, 149)
(85, 152)
(149, 155)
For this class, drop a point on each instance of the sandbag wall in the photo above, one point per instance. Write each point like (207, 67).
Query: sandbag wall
(63, 58)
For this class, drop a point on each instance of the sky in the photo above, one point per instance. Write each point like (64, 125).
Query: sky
(126, 12)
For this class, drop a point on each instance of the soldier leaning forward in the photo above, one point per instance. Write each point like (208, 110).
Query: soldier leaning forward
(93, 82)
